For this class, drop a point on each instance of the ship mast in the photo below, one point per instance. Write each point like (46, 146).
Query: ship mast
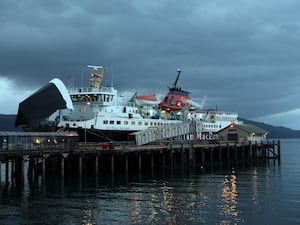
(97, 73)
(174, 89)
(175, 83)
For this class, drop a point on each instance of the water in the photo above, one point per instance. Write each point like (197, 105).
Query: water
(264, 193)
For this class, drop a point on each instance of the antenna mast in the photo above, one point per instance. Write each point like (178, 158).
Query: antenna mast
(175, 83)
(97, 73)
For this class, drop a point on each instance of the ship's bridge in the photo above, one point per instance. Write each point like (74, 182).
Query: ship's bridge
(103, 96)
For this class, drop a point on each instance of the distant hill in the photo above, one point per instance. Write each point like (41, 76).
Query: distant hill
(275, 131)
(7, 123)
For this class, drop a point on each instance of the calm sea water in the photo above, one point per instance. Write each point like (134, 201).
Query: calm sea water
(264, 193)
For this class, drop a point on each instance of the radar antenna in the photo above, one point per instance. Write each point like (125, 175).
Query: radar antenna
(95, 67)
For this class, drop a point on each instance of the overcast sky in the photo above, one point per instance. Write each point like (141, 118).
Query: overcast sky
(242, 54)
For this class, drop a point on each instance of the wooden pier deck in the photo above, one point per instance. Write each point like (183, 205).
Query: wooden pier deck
(102, 159)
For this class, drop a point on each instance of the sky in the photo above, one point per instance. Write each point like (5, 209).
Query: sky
(242, 55)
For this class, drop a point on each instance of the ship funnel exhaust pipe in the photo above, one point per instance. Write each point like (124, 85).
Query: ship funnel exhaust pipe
(178, 74)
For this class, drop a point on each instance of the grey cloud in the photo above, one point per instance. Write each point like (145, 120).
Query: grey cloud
(242, 54)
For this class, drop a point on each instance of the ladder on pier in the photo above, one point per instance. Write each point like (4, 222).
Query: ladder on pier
(181, 129)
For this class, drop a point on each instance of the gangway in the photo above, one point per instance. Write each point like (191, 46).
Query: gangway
(185, 130)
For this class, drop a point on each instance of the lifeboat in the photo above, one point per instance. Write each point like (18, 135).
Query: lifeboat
(146, 100)
(176, 99)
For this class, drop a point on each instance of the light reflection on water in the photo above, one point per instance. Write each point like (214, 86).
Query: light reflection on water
(265, 193)
(229, 197)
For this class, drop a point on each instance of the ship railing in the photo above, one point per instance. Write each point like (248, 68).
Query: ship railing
(90, 89)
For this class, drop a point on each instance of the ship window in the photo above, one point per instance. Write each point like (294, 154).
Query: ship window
(111, 122)
(140, 123)
(146, 123)
(155, 124)
(118, 122)
(125, 122)
(105, 121)
(151, 124)
(132, 122)
(95, 98)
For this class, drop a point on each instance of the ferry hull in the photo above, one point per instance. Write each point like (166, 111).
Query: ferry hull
(95, 135)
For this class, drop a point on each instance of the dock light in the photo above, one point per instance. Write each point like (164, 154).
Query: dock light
(232, 125)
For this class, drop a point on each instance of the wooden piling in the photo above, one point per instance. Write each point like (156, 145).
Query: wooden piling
(152, 164)
(235, 153)
(80, 166)
(0, 172)
(43, 169)
(62, 168)
(250, 151)
(126, 165)
(228, 153)
(278, 150)
(182, 158)
(112, 159)
(7, 171)
(202, 156)
(220, 153)
(12, 170)
(97, 165)
(171, 160)
(140, 164)
(192, 158)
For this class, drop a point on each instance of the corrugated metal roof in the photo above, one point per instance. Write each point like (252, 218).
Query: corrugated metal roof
(35, 134)
(249, 128)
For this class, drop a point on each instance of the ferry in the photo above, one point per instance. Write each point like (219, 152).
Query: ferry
(99, 113)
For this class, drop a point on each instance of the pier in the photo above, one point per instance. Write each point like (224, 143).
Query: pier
(66, 157)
